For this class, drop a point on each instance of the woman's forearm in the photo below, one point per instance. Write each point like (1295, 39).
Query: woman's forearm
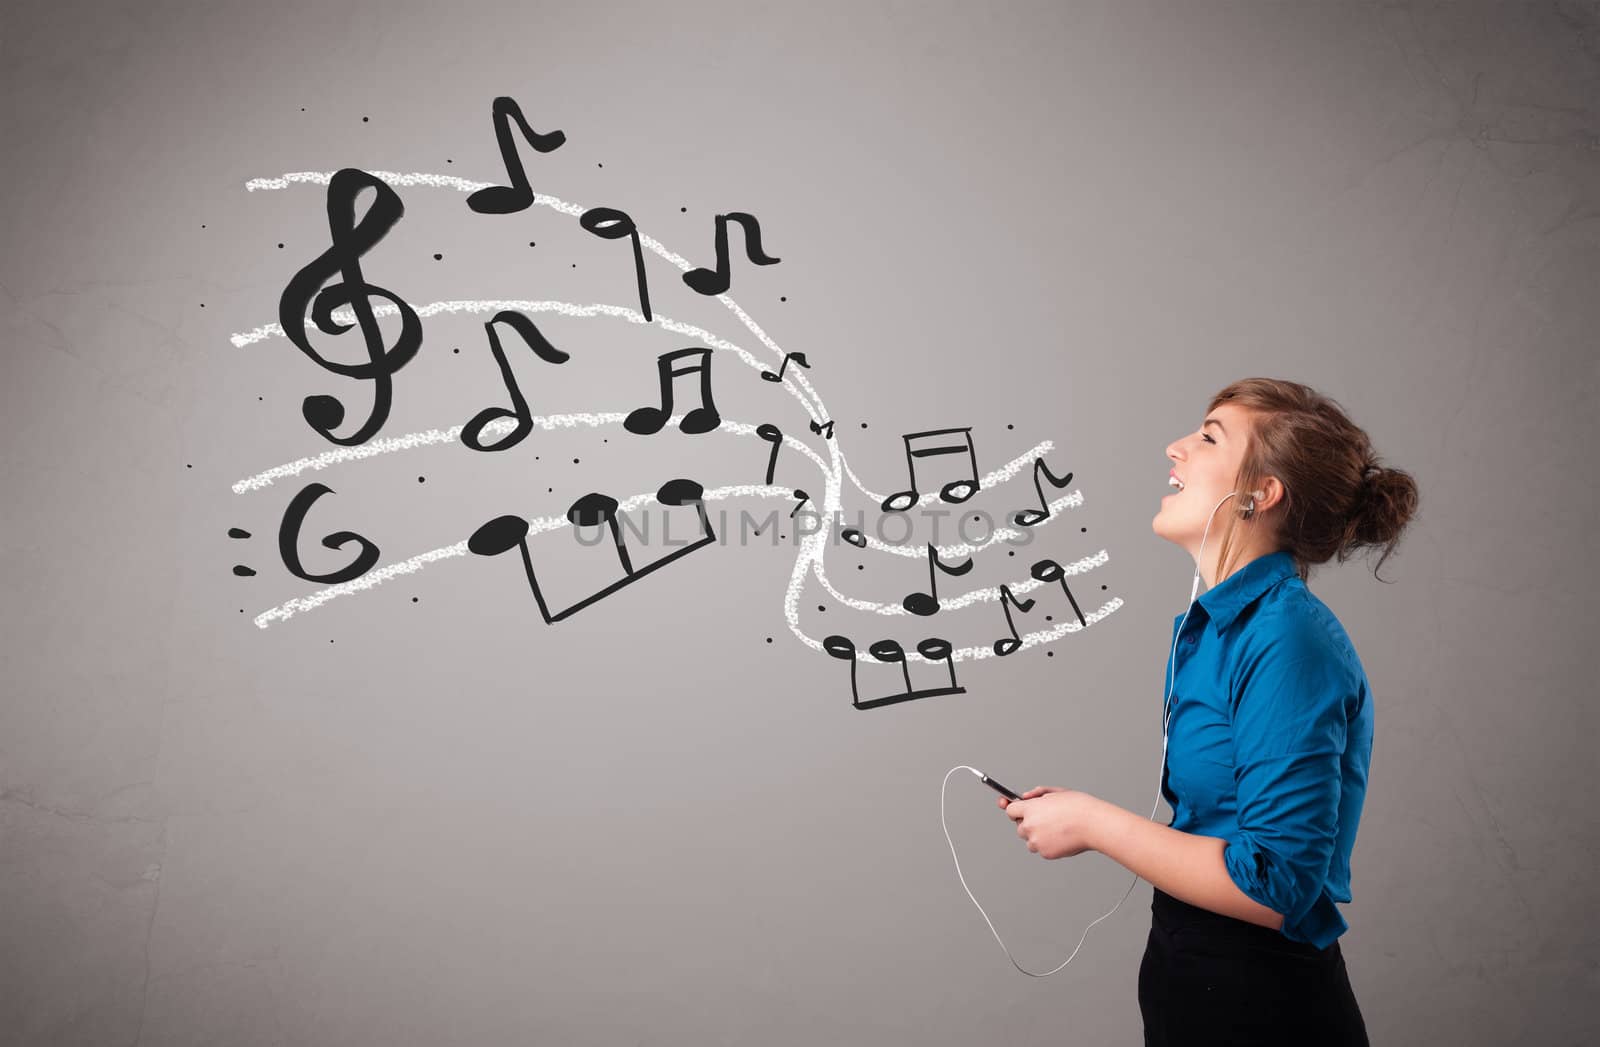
(1186, 866)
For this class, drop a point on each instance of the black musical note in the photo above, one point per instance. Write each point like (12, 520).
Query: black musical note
(518, 196)
(803, 499)
(702, 419)
(289, 539)
(1049, 571)
(928, 603)
(608, 223)
(825, 430)
(351, 240)
(1007, 645)
(472, 432)
(933, 649)
(1029, 517)
(799, 358)
(854, 537)
(505, 532)
(713, 283)
(773, 435)
(957, 490)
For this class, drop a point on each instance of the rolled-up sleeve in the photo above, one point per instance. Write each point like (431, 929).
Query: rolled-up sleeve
(1289, 729)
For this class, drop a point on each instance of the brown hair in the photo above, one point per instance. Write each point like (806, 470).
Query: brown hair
(1337, 498)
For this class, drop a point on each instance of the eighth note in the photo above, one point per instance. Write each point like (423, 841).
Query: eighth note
(702, 419)
(714, 283)
(518, 196)
(1029, 517)
(803, 497)
(933, 649)
(472, 432)
(955, 491)
(799, 358)
(825, 430)
(504, 533)
(927, 603)
(1008, 644)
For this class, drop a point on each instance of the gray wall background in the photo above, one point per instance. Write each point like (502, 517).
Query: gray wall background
(439, 821)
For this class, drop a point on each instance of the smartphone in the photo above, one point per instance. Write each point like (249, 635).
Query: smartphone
(997, 787)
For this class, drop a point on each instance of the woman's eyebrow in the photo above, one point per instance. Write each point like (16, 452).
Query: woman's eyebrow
(1213, 421)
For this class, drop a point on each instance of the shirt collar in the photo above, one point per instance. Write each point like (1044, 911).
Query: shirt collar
(1224, 601)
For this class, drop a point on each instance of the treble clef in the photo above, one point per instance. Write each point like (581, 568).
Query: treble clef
(351, 240)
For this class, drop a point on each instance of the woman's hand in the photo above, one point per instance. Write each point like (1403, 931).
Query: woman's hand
(1057, 823)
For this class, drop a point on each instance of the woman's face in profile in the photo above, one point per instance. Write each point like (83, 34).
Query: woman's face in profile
(1206, 461)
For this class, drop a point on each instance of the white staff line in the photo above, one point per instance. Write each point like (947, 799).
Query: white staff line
(436, 181)
(815, 545)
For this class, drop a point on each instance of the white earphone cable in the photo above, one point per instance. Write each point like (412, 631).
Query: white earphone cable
(1166, 718)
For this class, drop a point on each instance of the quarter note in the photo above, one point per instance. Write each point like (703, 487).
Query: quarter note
(709, 282)
(773, 435)
(890, 651)
(799, 358)
(1049, 571)
(506, 532)
(1029, 517)
(608, 223)
(1008, 644)
(956, 491)
(351, 240)
(518, 196)
(702, 419)
(825, 430)
(927, 603)
(472, 432)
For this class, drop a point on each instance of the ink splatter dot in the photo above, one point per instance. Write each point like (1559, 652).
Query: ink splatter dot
(260, 398)
(1010, 426)
(422, 479)
(783, 298)
(438, 258)
(530, 243)
(1102, 588)
(599, 165)
(202, 225)
(574, 265)
(449, 161)
(861, 567)
(1049, 654)
(189, 466)
(1083, 530)
(684, 209)
(456, 350)
(302, 109)
(552, 490)
(202, 305)
(863, 425)
(769, 639)
(280, 247)
(363, 120)
(1049, 617)
(820, 607)
(1011, 552)
(574, 461)
(413, 599)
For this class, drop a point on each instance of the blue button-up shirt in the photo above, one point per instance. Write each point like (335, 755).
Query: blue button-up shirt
(1269, 741)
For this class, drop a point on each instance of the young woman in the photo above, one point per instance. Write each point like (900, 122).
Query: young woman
(1267, 730)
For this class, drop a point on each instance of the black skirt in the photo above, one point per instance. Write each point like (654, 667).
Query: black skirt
(1211, 979)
